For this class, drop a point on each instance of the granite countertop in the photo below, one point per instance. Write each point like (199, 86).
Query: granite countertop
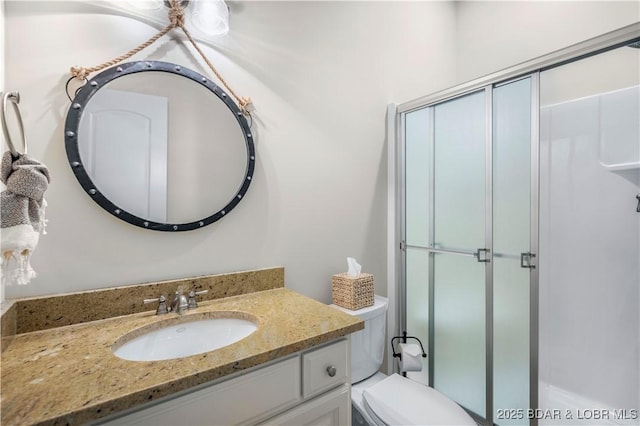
(69, 375)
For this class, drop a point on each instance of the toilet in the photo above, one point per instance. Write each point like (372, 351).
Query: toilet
(378, 399)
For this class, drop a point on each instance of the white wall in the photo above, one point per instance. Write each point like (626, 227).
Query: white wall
(2, 88)
(493, 35)
(320, 75)
(2, 46)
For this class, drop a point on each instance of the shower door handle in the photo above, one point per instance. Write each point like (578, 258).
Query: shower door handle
(482, 254)
(526, 260)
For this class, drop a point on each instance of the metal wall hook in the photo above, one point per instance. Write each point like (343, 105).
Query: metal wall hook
(66, 88)
(14, 98)
(638, 198)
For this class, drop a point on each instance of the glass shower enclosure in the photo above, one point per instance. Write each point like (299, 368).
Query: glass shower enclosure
(469, 250)
(520, 242)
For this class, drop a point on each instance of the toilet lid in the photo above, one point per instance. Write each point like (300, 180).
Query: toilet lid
(397, 400)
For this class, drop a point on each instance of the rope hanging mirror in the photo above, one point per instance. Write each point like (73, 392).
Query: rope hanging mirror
(194, 176)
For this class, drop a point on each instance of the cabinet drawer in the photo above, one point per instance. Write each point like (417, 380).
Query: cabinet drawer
(242, 400)
(325, 368)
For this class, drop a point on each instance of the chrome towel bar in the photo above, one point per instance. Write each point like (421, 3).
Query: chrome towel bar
(14, 98)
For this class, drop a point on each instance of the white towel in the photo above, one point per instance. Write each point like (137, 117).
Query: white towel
(22, 217)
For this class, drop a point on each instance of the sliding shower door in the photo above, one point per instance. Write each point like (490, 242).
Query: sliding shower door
(468, 249)
(459, 210)
(514, 248)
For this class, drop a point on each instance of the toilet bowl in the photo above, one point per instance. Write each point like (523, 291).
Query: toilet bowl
(378, 399)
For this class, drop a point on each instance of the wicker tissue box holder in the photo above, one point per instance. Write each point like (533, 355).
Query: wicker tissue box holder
(352, 292)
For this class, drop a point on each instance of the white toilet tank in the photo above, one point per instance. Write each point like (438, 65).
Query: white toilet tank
(367, 346)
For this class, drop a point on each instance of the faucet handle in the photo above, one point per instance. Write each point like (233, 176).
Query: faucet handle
(162, 304)
(192, 297)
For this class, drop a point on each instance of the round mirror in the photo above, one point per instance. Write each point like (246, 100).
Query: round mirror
(159, 146)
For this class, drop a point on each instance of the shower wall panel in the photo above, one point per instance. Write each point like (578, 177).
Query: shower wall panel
(590, 248)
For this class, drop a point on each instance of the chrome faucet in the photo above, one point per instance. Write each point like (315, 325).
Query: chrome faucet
(179, 303)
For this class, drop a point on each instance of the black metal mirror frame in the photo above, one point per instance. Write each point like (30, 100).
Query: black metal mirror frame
(72, 124)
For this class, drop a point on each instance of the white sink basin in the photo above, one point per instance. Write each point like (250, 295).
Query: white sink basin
(181, 339)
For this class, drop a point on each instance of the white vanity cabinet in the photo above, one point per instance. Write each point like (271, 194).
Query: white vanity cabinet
(307, 388)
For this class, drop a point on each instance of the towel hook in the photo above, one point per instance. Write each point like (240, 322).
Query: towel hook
(14, 98)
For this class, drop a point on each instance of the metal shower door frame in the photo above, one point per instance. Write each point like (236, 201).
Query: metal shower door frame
(488, 238)
(590, 47)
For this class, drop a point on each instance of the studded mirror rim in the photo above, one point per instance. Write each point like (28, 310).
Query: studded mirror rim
(72, 125)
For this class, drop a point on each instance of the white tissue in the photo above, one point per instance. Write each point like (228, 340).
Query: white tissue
(354, 267)
(411, 357)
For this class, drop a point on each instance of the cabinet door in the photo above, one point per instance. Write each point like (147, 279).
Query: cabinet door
(243, 400)
(330, 409)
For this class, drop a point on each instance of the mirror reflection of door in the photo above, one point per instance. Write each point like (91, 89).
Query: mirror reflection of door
(125, 149)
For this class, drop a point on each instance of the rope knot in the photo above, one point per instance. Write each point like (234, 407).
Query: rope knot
(176, 15)
(79, 72)
(246, 106)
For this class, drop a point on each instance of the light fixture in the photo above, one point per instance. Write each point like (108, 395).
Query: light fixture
(145, 4)
(211, 17)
